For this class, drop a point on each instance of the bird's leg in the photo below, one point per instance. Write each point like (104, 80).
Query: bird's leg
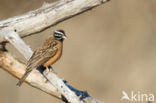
(50, 68)
(41, 69)
(47, 70)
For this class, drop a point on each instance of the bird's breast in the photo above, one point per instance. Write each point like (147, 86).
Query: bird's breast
(55, 57)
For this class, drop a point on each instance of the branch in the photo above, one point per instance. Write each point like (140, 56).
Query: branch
(35, 79)
(61, 86)
(18, 43)
(48, 15)
(68, 91)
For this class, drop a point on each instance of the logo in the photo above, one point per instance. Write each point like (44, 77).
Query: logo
(137, 96)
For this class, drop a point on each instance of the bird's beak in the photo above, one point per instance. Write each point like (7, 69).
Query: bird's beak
(64, 37)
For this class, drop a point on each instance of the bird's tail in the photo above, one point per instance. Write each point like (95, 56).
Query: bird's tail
(23, 77)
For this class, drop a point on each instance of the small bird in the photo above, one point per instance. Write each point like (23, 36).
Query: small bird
(46, 55)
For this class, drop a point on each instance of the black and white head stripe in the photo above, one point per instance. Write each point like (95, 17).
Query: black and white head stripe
(59, 32)
(59, 35)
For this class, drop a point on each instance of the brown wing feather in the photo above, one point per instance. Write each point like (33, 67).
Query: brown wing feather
(39, 59)
(43, 54)
(40, 56)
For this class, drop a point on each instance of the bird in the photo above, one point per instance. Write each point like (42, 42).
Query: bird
(47, 54)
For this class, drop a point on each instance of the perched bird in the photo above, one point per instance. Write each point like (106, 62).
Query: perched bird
(46, 55)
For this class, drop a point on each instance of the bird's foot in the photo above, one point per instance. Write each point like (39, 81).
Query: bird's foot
(50, 68)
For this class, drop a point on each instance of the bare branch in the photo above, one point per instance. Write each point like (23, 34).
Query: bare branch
(48, 15)
(62, 88)
(35, 79)
(17, 42)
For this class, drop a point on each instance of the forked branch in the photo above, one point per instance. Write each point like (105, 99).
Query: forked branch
(33, 22)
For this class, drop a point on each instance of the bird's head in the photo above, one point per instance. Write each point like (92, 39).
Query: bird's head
(59, 35)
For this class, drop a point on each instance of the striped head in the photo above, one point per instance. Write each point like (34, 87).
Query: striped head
(59, 35)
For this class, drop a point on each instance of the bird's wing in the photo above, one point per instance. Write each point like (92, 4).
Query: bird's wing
(43, 54)
(40, 56)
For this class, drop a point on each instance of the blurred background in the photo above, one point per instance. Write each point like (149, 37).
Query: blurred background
(109, 49)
